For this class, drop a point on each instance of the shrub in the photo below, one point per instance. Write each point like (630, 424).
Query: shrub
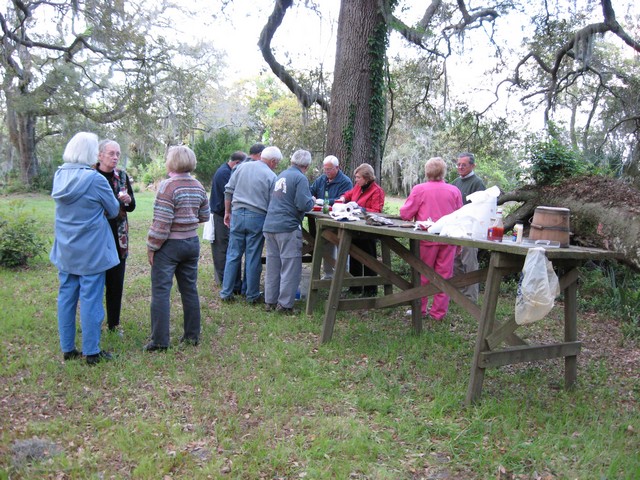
(18, 239)
(552, 162)
(613, 289)
(214, 151)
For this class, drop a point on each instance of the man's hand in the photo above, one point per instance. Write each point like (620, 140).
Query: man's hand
(227, 219)
(150, 254)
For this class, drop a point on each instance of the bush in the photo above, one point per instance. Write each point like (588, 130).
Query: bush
(552, 162)
(613, 289)
(18, 239)
(214, 151)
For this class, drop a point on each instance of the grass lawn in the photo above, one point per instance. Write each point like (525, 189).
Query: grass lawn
(260, 398)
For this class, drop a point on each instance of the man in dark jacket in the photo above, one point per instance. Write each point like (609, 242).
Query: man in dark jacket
(468, 182)
(220, 230)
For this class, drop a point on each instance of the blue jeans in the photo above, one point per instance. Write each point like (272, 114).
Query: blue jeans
(179, 258)
(245, 238)
(89, 290)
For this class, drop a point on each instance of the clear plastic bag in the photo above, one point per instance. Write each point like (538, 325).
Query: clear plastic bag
(537, 289)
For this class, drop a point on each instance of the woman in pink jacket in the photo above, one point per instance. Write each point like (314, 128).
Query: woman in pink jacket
(434, 199)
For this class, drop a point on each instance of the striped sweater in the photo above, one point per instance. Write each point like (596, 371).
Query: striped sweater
(180, 205)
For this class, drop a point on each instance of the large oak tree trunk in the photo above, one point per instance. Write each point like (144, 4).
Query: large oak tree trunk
(605, 212)
(22, 133)
(349, 135)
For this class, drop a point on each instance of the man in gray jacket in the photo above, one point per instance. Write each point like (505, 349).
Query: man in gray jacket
(246, 199)
(290, 199)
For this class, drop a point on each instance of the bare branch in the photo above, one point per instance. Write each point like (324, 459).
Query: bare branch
(273, 23)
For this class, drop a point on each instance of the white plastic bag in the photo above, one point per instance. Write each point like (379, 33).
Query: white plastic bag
(473, 219)
(538, 288)
(208, 232)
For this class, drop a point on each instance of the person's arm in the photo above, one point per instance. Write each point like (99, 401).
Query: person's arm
(378, 199)
(163, 214)
(347, 196)
(409, 210)
(108, 201)
(204, 212)
(343, 186)
(227, 212)
(303, 201)
(129, 206)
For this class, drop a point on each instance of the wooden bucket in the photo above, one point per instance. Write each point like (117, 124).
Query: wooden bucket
(550, 223)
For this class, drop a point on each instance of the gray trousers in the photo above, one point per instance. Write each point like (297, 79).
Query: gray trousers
(179, 258)
(467, 261)
(284, 267)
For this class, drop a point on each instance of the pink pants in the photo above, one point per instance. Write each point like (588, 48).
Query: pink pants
(440, 258)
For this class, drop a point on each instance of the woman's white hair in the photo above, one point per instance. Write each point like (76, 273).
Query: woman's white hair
(82, 148)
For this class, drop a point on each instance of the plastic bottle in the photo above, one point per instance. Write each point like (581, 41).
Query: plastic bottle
(496, 231)
(519, 229)
(325, 205)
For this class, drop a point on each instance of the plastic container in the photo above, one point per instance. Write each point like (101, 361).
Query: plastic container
(518, 229)
(496, 231)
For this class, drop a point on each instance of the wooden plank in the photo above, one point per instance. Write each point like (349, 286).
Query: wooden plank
(528, 353)
(501, 333)
(485, 326)
(570, 332)
(331, 307)
(416, 303)
(313, 296)
(443, 285)
(381, 269)
(386, 260)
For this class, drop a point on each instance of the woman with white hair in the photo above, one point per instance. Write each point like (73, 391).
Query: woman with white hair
(84, 202)
(434, 199)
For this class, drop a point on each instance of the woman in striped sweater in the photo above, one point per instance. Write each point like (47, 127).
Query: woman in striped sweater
(173, 247)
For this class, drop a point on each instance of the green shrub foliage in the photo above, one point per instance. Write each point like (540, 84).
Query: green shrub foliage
(19, 240)
(552, 162)
(214, 151)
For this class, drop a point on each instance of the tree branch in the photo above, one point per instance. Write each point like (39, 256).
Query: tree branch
(273, 23)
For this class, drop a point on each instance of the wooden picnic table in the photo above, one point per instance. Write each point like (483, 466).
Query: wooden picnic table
(497, 344)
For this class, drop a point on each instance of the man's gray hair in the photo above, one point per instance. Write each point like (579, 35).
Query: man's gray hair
(301, 158)
(82, 148)
(331, 159)
(271, 153)
(470, 156)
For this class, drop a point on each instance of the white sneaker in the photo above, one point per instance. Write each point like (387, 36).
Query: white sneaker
(408, 313)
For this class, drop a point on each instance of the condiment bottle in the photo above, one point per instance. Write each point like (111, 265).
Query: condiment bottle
(496, 231)
(519, 229)
(325, 205)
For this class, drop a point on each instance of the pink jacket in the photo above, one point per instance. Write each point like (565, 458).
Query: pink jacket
(433, 199)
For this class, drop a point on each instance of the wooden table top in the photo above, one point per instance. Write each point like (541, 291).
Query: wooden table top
(571, 252)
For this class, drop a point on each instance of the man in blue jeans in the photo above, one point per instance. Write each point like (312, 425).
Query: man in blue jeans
(246, 201)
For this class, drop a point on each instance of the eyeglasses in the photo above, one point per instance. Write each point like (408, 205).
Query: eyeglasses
(463, 165)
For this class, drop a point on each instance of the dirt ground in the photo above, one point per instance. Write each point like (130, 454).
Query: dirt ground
(600, 189)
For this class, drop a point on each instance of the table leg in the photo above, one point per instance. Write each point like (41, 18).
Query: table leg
(570, 332)
(318, 246)
(416, 305)
(386, 259)
(335, 290)
(485, 326)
